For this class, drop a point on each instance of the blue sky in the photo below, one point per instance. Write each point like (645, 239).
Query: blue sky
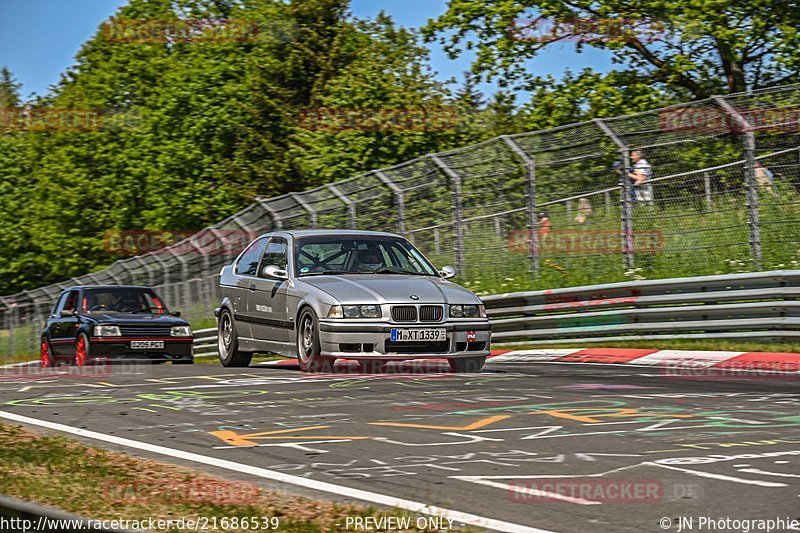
(39, 38)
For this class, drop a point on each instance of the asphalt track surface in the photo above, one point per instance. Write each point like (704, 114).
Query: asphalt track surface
(633, 449)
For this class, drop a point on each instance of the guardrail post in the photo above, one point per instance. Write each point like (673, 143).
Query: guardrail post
(457, 211)
(749, 141)
(625, 192)
(530, 202)
(399, 199)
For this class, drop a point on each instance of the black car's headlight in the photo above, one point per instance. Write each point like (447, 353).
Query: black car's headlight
(107, 331)
(355, 311)
(467, 311)
(181, 331)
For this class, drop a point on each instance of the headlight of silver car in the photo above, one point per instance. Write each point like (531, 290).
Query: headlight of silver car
(107, 331)
(467, 311)
(355, 311)
(181, 331)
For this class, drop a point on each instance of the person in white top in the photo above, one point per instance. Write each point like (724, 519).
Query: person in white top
(641, 176)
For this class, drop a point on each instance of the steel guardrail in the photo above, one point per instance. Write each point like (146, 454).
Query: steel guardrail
(760, 305)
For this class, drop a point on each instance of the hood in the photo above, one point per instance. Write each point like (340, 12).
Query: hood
(137, 319)
(386, 288)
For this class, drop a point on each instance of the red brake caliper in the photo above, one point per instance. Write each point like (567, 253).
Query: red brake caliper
(80, 352)
(44, 359)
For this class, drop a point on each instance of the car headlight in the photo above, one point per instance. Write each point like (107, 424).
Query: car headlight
(181, 331)
(107, 331)
(355, 311)
(467, 311)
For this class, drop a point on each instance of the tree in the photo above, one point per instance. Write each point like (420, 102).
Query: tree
(9, 89)
(692, 47)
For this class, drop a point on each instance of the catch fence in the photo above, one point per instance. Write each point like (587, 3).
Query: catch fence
(539, 210)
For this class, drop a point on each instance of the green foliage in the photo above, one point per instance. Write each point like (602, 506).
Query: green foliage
(696, 47)
(192, 131)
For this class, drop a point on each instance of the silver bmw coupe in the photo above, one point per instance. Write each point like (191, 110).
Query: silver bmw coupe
(368, 296)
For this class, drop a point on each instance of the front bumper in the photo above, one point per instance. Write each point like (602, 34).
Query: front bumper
(175, 349)
(372, 340)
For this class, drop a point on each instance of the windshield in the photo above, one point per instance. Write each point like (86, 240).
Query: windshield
(122, 300)
(359, 255)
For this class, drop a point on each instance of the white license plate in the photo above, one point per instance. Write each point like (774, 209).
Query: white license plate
(147, 345)
(416, 335)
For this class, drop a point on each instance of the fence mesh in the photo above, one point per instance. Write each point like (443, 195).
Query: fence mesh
(552, 208)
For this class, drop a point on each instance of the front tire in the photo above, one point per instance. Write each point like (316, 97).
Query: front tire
(228, 340)
(463, 365)
(309, 348)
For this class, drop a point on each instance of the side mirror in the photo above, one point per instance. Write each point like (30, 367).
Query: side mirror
(176, 313)
(272, 271)
(447, 272)
(68, 313)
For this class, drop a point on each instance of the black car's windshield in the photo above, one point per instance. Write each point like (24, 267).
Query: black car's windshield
(359, 255)
(122, 300)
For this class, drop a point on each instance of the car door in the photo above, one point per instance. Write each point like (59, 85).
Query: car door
(64, 329)
(246, 269)
(267, 304)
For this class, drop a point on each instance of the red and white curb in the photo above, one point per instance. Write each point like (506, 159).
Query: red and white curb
(757, 361)
(775, 361)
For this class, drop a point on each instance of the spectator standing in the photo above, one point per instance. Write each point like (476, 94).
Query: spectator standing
(642, 175)
(765, 179)
(584, 210)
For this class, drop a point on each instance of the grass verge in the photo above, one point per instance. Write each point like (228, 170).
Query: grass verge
(100, 484)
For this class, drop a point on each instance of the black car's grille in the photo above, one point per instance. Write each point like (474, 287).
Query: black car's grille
(417, 347)
(404, 313)
(431, 313)
(145, 331)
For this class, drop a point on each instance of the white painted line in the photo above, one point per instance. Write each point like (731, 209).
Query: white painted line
(532, 356)
(711, 475)
(27, 363)
(695, 358)
(349, 492)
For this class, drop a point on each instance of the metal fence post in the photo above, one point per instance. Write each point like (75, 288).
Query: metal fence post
(749, 141)
(349, 204)
(455, 179)
(707, 186)
(399, 199)
(625, 191)
(312, 213)
(530, 202)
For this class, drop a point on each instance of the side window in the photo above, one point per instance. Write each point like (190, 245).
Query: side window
(248, 263)
(276, 253)
(72, 301)
(59, 303)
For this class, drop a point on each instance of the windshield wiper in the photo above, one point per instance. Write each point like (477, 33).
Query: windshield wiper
(392, 270)
(325, 273)
(144, 309)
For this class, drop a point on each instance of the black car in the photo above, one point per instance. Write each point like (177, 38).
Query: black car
(114, 322)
